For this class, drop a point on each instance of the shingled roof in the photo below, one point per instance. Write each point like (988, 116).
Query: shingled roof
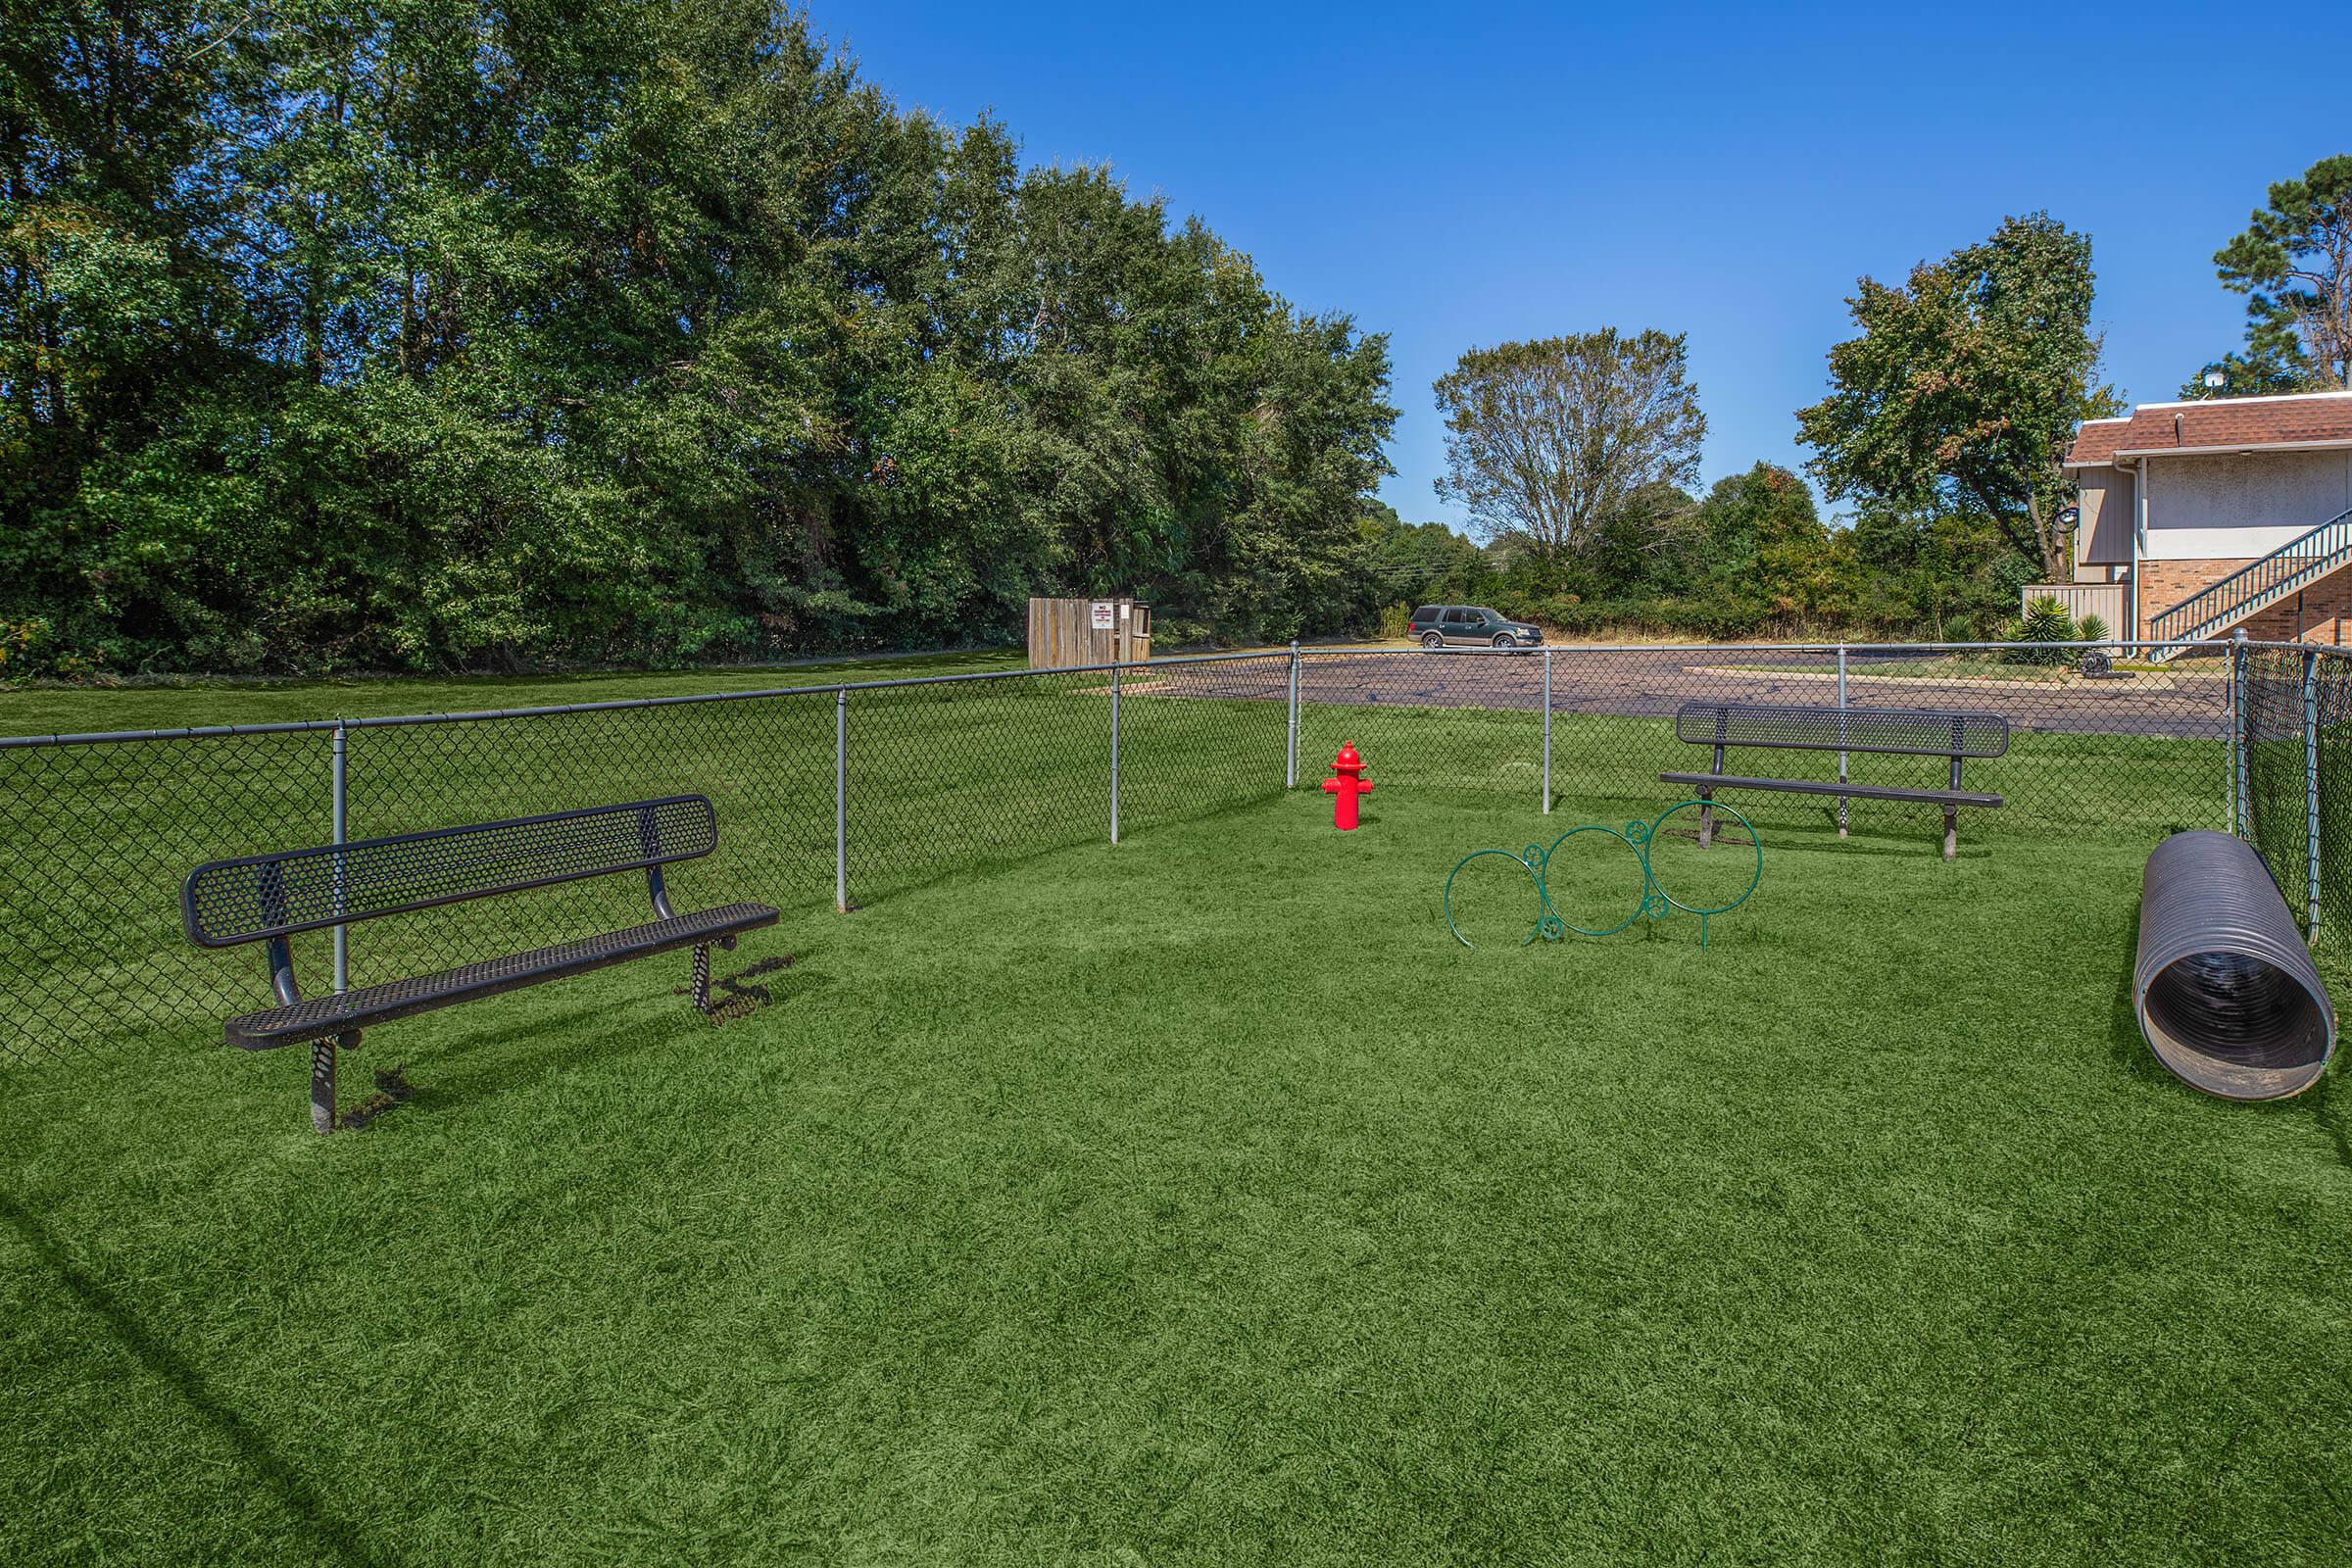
(2220, 424)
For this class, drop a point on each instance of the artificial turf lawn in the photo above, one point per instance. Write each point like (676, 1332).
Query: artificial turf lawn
(1198, 1200)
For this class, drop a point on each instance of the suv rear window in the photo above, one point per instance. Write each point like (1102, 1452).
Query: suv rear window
(1426, 613)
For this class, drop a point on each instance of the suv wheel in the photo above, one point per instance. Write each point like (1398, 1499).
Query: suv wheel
(1432, 641)
(1503, 639)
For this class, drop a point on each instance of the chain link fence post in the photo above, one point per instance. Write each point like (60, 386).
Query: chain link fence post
(342, 826)
(2311, 795)
(1289, 771)
(2229, 746)
(1841, 736)
(1114, 753)
(2241, 736)
(1547, 732)
(841, 801)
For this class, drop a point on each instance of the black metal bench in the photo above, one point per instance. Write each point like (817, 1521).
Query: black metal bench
(272, 898)
(1896, 732)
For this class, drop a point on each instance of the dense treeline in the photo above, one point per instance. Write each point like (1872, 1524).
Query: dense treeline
(424, 334)
(1753, 558)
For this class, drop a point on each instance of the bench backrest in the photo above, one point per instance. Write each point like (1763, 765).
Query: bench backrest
(227, 902)
(1910, 731)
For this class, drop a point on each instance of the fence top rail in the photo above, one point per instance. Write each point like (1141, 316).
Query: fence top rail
(322, 726)
(2111, 644)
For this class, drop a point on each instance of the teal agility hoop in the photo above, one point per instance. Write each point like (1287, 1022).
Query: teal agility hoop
(1653, 902)
(1756, 877)
(1641, 858)
(1519, 860)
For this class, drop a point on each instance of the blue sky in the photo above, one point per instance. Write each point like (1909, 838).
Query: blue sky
(1722, 171)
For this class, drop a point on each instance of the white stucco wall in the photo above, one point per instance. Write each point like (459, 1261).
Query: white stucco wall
(2103, 533)
(2232, 507)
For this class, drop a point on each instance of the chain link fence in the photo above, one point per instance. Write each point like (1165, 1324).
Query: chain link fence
(847, 794)
(824, 794)
(2292, 778)
(2133, 752)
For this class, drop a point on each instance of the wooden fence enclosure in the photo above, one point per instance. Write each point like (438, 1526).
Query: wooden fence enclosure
(2106, 600)
(1065, 633)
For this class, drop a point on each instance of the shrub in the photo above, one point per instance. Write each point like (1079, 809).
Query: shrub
(2046, 622)
(1172, 633)
(2093, 630)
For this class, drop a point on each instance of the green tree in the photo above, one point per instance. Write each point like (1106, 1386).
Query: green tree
(127, 347)
(1392, 562)
(2293, 263)
(1966, 385)
(1763, 540)
(436, 335)
(2255, 373)
(1548, 438)
(1947, 574)
(1649, 545)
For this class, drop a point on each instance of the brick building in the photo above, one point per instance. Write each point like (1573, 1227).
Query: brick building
(2201, 517)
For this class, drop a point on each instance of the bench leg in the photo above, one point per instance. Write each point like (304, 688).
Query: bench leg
(322, 1079)
(701, 977)
(322, 1086)
(1951, 831)
(1706, 820)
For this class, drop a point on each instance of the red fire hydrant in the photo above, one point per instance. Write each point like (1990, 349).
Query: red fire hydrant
(1346, 782)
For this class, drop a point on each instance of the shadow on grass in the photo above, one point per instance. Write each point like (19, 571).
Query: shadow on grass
(870, 885)
(1874, 842)
(506, 1058)
(738, 995)
(334, 1538)
(2126, 1044)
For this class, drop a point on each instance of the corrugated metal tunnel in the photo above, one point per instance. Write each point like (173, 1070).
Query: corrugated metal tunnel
(2225, 988)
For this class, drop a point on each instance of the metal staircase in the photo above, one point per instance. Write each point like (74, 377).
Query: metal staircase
(2253, 588)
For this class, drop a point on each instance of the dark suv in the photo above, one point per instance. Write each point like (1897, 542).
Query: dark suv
(1463, 625)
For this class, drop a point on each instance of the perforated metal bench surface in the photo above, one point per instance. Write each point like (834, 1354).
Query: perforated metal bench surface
(401, 999)
(1814, 786)
(272, 897)
(257, 897)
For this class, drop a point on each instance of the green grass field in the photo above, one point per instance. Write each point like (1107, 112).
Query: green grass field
(1200, 1201)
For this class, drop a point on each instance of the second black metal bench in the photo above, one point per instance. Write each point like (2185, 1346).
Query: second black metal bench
(1896, 731)
(274, 898)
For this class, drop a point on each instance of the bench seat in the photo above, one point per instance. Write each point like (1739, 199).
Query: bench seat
(314, 1017)
(1802, 786)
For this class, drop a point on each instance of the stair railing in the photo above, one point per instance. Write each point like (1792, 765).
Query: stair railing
(2194, 616)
